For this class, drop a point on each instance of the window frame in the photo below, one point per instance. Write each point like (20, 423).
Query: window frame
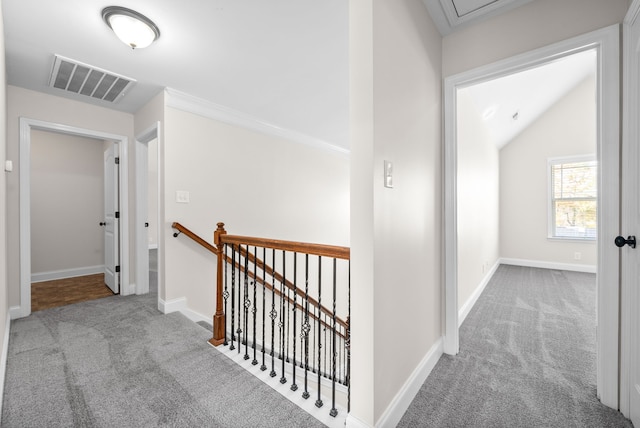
(551, 217)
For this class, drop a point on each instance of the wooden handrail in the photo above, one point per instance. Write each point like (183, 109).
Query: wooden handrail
(298, 247)
(221, 238)
(180, 228)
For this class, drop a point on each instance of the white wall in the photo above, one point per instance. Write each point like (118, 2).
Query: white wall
(258, 185)
(4, 295)
(35, 105)
(534, 25)
(67, 204)
(395, 70)
(478, 187)
(568, 128)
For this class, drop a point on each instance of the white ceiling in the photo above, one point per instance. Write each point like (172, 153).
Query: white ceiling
(528, 94)
(283, 62)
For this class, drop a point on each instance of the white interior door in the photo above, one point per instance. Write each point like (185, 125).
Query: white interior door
(111, 221)
(630, 257)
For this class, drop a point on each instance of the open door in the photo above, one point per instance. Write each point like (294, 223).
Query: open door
(630, 255)
(111, 221)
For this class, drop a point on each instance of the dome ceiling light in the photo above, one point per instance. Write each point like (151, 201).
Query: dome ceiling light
(134, 29)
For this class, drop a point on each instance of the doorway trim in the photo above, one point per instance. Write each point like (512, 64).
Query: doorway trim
(141, 214)
(26, 126)
(606, 42)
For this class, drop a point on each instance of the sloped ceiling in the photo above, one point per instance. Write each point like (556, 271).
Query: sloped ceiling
(510, 104)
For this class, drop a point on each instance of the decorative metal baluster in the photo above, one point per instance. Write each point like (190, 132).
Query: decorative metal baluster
(334, 411)
(325, 372)
(233, 294)
(247, 304)
(348, 342)
(263, 367)
(240, 302)
(225, 294)
(283, 296)
(319, 400)
(255, 302)
(273, 314)
(306, 327)
(294, 387)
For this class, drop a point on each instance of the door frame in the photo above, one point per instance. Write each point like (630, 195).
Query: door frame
(26, 126)
(606, 42)
(630, 208)
(141, 215)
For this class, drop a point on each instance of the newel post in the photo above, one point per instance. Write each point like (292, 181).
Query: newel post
(218, 317)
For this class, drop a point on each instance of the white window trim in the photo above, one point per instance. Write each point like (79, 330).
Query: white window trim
(550, 214)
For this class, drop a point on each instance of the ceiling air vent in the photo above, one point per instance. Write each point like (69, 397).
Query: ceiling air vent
(72, 76)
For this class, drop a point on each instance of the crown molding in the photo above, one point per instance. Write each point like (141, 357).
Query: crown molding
(191, 104)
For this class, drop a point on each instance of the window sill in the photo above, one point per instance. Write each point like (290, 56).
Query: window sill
(572, 239)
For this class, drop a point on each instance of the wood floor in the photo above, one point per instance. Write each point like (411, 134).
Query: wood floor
(61, 292)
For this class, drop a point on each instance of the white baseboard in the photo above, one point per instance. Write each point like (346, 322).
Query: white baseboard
(550, 265)
(66, 273)
(3, 358)
(180, 305)
(15, 312)
(353, 422)
(466, 308)
(407, 393)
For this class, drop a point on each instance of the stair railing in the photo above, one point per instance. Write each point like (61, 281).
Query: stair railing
(259, 307)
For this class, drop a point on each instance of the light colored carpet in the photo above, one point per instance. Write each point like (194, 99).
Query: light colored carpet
(527, 359)
(119, 362)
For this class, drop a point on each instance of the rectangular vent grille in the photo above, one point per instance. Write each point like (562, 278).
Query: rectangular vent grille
(72, 76)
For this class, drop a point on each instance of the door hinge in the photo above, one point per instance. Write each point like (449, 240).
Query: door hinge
(117, 161)
(117, 214)
(117, 268)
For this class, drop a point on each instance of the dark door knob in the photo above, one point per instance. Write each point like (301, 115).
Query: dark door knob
(621, 242)
(103, 223)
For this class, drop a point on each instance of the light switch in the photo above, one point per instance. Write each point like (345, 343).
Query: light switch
(182, 196)
(8, 166)
(388, 174)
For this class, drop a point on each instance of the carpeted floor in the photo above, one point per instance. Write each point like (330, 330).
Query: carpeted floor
(527, 359)
(119, 362)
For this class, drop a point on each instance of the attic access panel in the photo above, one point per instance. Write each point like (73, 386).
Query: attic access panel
(82, 79)
(464, 7)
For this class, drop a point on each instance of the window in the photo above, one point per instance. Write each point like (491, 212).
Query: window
(573, 202)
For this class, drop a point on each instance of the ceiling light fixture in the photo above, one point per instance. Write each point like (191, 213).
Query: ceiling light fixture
(133, 28)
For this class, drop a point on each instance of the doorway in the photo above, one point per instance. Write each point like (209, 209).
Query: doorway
(27, 126)
(605, 43)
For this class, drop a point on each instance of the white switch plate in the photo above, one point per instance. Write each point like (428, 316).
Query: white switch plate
(8, 166)
(182, 196)
(388, 174)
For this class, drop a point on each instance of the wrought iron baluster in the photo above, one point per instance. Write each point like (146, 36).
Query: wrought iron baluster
(225, 294)
(306, 327)
(273, 314)
(233, 294)
(319, 400)
(240, 303)
(294, 387)
(255, 303)
(283, 314)
(348, 342)
(334, 411)
(247, 304)
(263, 367)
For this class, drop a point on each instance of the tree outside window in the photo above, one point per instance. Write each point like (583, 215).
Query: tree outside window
(573, 198)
